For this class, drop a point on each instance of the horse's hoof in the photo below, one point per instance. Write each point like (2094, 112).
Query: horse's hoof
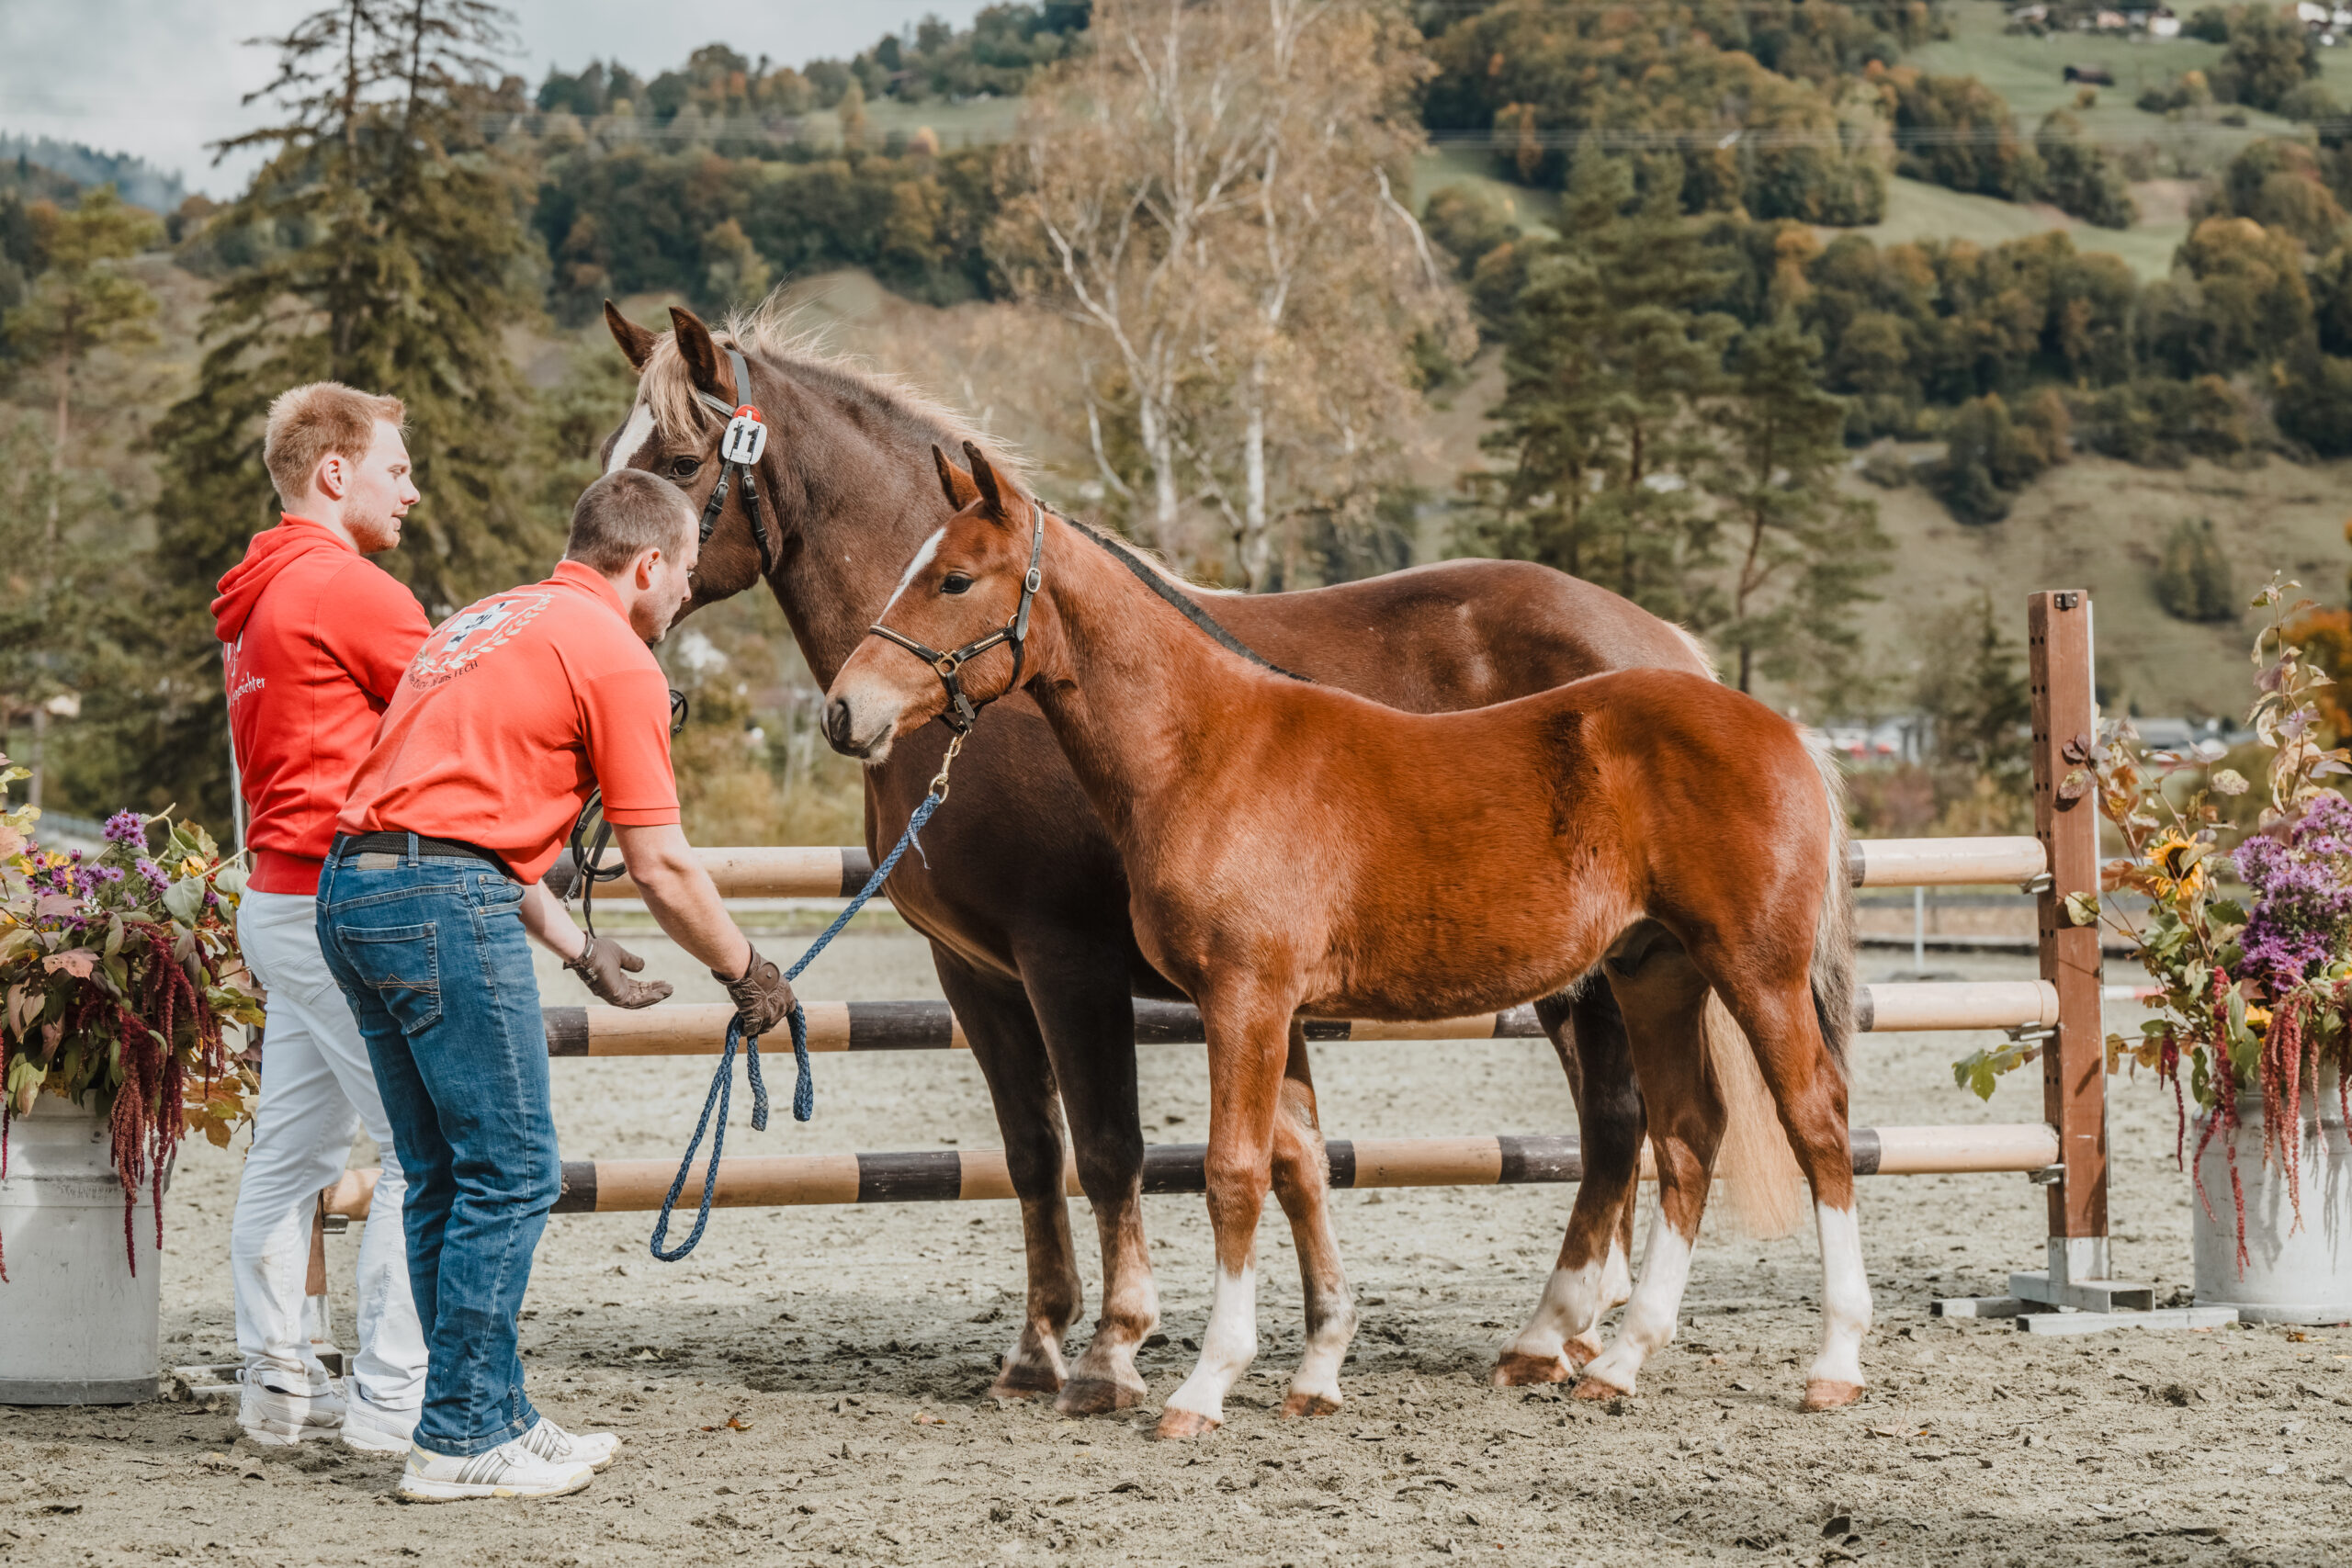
(1176, 1424)
(1594, 1389)
(1516, 1368)
(1095, 1396)
(1301, 1403)
(1022, 1379)
(1823, 1393)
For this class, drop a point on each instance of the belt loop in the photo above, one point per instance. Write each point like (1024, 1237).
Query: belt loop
(412, 852)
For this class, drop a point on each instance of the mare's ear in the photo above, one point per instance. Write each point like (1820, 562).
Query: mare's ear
(954, 482)
(636, 342)
(701, 352)
(992, 490)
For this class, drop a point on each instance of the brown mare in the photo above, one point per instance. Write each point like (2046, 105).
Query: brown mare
(1023, 894)
(1291, 848)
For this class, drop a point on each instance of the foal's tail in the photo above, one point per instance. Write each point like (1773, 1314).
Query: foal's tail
(1833, 935)
(1760, 1173)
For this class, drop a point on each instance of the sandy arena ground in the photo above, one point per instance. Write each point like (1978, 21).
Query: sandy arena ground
(808, 1387)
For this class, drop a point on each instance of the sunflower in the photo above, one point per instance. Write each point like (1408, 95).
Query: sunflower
(2168, 857)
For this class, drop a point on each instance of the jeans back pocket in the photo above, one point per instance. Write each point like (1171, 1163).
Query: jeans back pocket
(402, 965)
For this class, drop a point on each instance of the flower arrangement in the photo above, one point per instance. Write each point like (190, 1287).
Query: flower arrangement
(117, 974)
(2251, 992)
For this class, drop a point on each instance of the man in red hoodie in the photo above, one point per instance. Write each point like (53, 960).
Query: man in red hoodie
(317, 639)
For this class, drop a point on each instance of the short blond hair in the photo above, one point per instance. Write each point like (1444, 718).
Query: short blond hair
(310, 423)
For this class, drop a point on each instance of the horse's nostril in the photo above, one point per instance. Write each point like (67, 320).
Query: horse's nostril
(837, 723)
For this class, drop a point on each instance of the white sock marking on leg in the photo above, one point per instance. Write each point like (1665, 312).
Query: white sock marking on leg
(1658, 1303)
(1845, 1297)
(1226, 1350)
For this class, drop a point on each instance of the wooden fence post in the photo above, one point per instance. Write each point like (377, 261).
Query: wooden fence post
(2066, 818)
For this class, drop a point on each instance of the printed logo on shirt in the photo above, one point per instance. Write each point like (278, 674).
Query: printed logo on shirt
(467, 637)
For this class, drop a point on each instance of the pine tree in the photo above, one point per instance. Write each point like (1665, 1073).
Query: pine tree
(1801, 553)
(409, 263)
(1612, 352)
(66, 585)
(2193, 577)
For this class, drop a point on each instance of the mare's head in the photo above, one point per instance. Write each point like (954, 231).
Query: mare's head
(673, 433)
(963, 587)
(840, 482)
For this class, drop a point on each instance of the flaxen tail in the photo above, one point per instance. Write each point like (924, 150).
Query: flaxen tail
(1760, 1177)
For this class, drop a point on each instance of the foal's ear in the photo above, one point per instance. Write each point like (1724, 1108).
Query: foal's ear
(954, 482)
(636, 342)
(702, 356)
(984, 479)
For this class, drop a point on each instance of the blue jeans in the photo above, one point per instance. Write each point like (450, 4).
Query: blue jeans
(432, 954)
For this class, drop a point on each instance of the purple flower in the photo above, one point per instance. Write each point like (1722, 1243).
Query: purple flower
(2301, 914)
(126, 828)
(156, 880)
(109, 874)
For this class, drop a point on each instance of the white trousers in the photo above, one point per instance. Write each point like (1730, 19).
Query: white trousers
(317, 1089)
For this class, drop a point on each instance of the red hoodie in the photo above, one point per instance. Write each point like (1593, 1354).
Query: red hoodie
(317, 639)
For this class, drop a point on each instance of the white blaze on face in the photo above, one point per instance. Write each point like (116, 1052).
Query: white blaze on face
(633, 436)
(914, 568)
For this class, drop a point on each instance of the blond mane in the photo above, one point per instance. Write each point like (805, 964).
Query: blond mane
(773, 334)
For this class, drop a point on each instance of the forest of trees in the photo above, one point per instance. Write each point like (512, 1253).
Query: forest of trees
(1230, 276)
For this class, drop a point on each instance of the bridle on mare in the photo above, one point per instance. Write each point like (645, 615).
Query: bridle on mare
(745, 438)
(740, 448)
(962, 712)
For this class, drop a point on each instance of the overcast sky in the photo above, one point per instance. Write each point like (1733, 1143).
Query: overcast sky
(162, 78)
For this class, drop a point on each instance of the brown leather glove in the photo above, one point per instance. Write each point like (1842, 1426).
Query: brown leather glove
(763, 996)
(605, 968)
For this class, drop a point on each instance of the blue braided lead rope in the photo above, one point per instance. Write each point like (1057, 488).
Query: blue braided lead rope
(804, 1090)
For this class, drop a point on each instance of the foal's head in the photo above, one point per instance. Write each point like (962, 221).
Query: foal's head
(964, 586)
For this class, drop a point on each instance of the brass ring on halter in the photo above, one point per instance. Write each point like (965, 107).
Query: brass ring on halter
(945, 664)
(939, 780)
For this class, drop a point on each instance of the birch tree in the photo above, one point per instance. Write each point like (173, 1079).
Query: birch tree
(1211, 193)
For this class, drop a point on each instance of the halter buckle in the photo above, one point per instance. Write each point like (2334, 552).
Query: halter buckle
(946, 664)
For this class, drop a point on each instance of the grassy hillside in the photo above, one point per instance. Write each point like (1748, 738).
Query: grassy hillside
(2097, 524)
(1917, 210)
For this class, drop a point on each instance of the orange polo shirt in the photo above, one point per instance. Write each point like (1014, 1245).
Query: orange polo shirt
(513, 711)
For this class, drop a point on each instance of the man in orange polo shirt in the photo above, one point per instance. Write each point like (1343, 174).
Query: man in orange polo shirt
(511, 712)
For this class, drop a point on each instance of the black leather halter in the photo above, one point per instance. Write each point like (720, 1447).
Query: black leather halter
(962, 712)
(739, 447)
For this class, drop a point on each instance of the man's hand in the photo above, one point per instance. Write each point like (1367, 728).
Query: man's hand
(604, 966)
(763, 996)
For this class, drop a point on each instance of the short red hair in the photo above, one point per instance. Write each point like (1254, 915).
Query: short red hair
(318, 419)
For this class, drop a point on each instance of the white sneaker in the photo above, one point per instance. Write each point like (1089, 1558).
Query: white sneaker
(551, 1442)
(510, 1470)
(375, 1429)
(276, 1417)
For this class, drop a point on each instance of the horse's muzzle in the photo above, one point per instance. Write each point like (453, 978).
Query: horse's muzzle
(841, 729)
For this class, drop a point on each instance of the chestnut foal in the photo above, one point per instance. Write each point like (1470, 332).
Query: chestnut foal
(1295, 850)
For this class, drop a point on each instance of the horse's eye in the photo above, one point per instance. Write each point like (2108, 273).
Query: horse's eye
(684, 468)
(956, 582)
